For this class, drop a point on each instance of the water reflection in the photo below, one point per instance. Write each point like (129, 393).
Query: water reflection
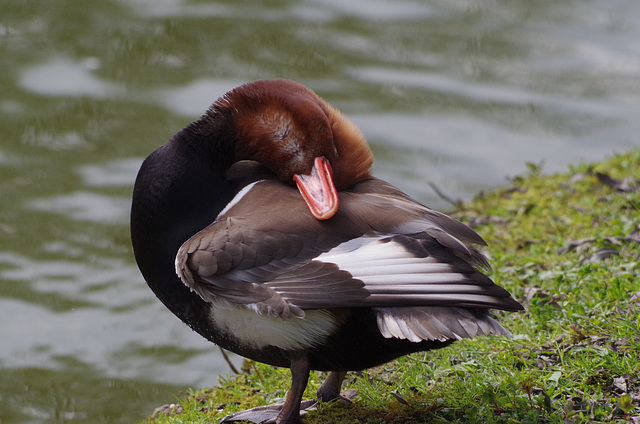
(67, 77)
(455, 93)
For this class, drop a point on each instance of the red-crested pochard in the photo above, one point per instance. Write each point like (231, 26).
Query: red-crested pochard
(261, 227)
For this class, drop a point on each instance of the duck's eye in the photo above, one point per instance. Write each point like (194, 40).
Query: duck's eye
(281, 134)
(276, 125)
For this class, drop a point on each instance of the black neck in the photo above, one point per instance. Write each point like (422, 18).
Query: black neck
(180, 189)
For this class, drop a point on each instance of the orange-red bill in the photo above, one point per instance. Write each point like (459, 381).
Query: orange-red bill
(317, 189)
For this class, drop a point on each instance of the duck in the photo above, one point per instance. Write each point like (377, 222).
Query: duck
(261, 226)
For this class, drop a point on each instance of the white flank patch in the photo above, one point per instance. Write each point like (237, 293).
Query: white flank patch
(253, 329)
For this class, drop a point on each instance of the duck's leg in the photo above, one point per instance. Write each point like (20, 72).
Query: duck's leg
(287, 412)
(330, 388)
(290, 412)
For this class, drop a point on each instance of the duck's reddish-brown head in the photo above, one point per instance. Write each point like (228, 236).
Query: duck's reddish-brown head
(302, 139)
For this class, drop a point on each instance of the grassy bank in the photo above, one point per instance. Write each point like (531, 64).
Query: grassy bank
(568, 247)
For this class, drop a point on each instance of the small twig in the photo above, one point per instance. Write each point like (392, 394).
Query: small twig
(226, 358)
(255, 369)
(456, 203)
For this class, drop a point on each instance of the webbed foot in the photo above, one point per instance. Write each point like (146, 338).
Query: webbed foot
(267, 414)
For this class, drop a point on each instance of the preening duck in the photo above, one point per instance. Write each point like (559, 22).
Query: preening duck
(261, 227)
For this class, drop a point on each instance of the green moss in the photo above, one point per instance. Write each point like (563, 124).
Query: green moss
(568, 247)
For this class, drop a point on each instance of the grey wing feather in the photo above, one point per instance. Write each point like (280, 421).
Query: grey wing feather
(437, 323)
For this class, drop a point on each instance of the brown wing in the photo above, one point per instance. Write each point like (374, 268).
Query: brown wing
(381, 249)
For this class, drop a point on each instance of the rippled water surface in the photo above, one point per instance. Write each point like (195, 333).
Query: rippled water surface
(458, 93)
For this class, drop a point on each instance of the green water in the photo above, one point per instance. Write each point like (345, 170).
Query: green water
(460, 94)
